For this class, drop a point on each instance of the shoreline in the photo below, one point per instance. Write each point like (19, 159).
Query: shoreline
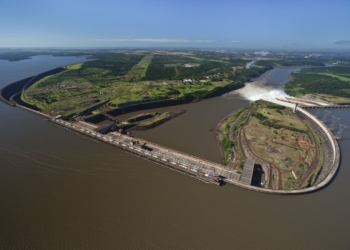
(320, 185)
(12, 90)
(158, 123)
(234, 181)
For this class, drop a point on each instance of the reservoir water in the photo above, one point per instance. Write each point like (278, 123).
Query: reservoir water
(61, 190)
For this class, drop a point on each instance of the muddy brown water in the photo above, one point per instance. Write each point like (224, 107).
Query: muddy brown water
(62, 190)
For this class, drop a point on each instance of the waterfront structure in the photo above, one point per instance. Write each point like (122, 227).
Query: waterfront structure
(203, 169)
(191, 165)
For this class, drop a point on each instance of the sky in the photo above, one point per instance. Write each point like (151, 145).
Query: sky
(243, 24)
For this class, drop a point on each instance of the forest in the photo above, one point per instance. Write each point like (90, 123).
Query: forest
(119, 77)
(330, 80)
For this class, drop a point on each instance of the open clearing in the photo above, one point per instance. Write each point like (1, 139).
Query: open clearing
(275, 135)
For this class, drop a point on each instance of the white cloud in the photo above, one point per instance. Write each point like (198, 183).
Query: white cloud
(234, 41)
(154, 40)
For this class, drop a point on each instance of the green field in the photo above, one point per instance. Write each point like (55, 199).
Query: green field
(123, 77)
(339, 77)
(139, 70)
(335, 99)
(74, 66)
(155, 119)
(276, 135)
(118, 77)
(334, 81)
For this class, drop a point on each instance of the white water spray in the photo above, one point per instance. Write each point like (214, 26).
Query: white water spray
(258, 90)
(253, 93)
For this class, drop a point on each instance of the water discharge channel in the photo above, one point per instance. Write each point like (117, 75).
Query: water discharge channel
(62, 190)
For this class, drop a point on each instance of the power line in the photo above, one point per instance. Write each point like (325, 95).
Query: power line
(318, 113)
(324, 119)
(340, 132)
(334, 123)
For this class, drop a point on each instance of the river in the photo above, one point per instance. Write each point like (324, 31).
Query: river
(62, 190)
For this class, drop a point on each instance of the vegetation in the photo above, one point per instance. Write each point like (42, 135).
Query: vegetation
(74, 66)
(148, 120)
(331, 80)
(120, 77)
(234, 121)
(139, 70)
(226, 145)
(276, 135)
(157, 118)
(331, 98)
(123, 77)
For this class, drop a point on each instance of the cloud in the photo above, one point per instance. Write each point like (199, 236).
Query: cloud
(342, 42)
(234, 41)
(154, 40)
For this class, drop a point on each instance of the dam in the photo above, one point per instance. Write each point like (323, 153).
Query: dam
(208, 171)
(202, 169)
(100, 186)
(199, 168)
(194, 166)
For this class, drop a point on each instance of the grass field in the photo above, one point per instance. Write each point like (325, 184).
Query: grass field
(119, 78)
(155, 119)
(334, 81)
(339, 77)
(74, 66)
(235, 121)
(284, 117)
(139, 70)
(335, 99)
(277, 136)
(286, 142)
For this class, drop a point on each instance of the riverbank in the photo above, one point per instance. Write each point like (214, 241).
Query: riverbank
(97, 196)
(12, 93)
(154, 122)
(133, 109)
(8, 92)
(287, 147)
(204, 169)
(150, 151)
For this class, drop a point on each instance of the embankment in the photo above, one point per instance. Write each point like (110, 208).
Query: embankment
(157, 123)
(97, 118)
(11, 94)
(125, 143)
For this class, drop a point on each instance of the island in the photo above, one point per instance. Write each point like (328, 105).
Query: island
(286, 151)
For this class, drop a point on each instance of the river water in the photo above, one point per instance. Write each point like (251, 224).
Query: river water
(62, 190)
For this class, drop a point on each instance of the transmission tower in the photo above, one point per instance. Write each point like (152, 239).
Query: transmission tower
(324, 119)
(334, 123)
(341, 129)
